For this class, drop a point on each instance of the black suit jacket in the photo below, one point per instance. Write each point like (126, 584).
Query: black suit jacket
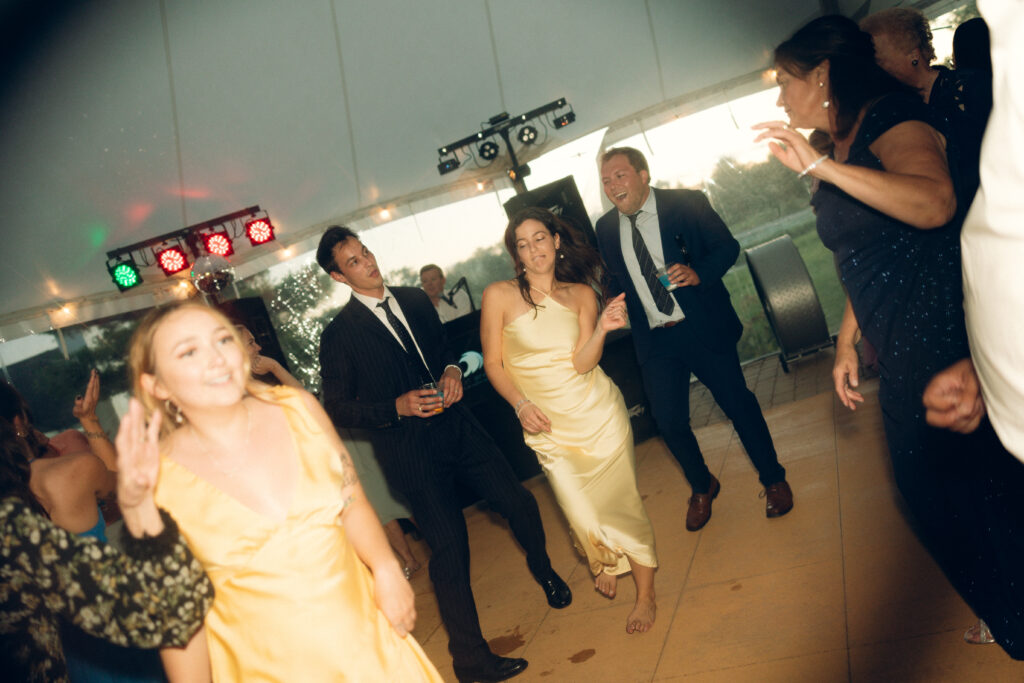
(713, 250)
(364, 369)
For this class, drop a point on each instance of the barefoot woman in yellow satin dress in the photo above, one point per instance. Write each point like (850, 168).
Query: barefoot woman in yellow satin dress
(542, 337)
(307, 588)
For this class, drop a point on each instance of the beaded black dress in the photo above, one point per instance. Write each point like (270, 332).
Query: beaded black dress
(905, 286)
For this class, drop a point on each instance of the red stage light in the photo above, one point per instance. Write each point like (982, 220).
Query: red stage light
(259, 231)
(172, 260)
(218, 244)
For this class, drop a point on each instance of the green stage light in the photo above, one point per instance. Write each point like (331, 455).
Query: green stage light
(125, 275)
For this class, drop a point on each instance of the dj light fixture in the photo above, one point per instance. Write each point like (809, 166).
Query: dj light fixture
(500, 126)
(178, 250)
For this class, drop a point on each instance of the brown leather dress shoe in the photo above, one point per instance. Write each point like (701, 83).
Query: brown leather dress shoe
(700, 506)
(779, 499)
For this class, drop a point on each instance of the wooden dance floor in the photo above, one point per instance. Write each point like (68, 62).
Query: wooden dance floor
(838, 590)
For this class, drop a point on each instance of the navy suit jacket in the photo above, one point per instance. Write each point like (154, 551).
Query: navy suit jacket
(713, 250)
(364, 369)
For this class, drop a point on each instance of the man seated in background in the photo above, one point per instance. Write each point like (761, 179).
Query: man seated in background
(448, 306)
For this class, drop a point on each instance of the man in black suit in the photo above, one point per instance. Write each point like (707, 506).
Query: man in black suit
(693, 328)
(374, 357)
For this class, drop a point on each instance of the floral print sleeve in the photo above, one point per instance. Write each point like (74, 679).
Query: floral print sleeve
(155, 594)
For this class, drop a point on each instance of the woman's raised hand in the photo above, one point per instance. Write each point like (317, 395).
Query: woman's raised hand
(613, 317)
(787, 145)
(138, 457)
(85, 405)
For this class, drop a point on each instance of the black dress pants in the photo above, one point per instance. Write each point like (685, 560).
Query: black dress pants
(452, 447)
(674, 353)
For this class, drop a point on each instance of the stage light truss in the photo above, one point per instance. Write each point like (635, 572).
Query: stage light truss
(500, 125)
(175, 251)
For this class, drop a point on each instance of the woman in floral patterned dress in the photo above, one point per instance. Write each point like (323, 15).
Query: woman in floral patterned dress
(153, 595)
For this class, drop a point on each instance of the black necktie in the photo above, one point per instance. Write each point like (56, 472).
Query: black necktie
(662, 299)
(406, 339)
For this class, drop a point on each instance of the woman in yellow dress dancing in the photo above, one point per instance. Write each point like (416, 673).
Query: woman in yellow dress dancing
(543, 335)
(264, 492)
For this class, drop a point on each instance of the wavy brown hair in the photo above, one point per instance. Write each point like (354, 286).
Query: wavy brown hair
(142, 358)
(14, 468)
(576, 262)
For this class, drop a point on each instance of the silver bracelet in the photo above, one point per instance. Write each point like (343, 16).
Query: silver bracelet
(520, 405)
(813, 165)
(95, 435)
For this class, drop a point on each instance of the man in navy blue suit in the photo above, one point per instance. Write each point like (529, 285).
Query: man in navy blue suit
(693, 328)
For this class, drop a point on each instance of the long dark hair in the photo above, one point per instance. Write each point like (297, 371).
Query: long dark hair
(15, 453)
(854, 78)
(576, 262)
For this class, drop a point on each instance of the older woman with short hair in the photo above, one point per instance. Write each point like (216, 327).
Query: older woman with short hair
(903, 47)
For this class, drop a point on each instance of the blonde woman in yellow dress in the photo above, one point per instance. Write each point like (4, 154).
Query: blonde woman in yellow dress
(264, 492)
(543, 334)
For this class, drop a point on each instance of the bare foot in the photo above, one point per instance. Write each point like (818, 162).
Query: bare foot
(605, 584)
(641, 618)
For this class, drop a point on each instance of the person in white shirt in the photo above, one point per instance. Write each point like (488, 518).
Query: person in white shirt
(448, 307)
(990, 383)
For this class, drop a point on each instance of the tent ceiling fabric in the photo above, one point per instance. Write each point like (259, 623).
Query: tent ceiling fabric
(132, 118)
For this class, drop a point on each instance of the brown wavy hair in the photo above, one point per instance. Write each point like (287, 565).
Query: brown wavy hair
(576, 262)
(14, 468)
(142, 358)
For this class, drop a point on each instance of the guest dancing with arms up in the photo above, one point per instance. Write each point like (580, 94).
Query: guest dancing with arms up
(543, 335)
(268, 499)
(886, 207)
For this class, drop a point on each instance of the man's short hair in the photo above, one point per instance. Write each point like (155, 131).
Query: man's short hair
(431, 266)
(335, 235)
(636, 157)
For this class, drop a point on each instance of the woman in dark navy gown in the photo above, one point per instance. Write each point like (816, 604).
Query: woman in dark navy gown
(886, 207)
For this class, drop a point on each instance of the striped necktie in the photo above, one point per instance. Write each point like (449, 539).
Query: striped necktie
(662, 299)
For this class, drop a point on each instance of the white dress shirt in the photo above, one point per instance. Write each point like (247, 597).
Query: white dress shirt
(650, 229)
(459, 307)
(371, 303)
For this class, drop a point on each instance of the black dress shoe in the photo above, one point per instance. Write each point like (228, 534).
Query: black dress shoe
(555, 590)
(491, 670)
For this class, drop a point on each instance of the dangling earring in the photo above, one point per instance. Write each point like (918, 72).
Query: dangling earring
(561, 254)
(825, 104)
(175, 411)
(820, 84)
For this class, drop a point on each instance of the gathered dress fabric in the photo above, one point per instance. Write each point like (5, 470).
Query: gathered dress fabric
(293, 599)
(905, 287)
(588, 455)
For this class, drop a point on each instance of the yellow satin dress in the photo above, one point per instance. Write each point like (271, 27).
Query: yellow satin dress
(588, 455)
(293, 600)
